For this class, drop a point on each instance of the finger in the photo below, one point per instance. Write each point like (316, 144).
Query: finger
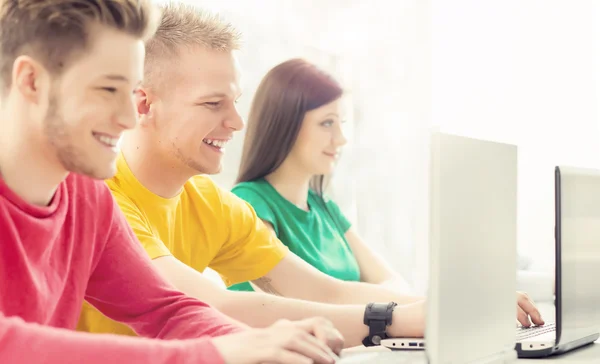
(309, 346)
(529, 307)
(523, 317)
(324, 331)
(330, 337)
(325, 346)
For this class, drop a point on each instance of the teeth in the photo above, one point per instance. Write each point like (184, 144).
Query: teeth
(216, 143)
(108, 140)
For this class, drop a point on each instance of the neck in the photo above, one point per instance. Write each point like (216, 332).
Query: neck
(161, 173)
(27, 165)
(291, 183)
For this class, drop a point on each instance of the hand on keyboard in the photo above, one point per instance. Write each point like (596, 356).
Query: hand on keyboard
(534, 331)
(284, 342)
(526, 311)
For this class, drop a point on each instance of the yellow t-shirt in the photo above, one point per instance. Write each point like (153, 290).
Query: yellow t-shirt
(204, 226)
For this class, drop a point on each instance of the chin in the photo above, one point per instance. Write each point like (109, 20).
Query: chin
(100, 173)
(213, 170)
(206, 168)
(94, 169)
(325, 170)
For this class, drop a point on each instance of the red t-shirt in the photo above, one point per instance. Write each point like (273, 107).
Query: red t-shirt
(81, 247)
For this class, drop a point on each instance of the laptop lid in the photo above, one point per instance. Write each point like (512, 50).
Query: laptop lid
(473, 237)
(577, 253)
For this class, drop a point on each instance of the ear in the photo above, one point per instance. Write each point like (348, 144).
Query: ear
(29, 78)
(143, 106)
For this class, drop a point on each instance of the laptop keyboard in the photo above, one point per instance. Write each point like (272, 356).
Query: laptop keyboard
(524, 333)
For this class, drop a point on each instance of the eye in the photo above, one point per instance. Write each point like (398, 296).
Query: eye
(112, 90)
(327, 123)
(213, 104)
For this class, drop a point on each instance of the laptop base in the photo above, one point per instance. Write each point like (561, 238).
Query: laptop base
(555, 350)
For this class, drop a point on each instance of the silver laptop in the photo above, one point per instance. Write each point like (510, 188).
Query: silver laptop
(472, 268)
(577, 284)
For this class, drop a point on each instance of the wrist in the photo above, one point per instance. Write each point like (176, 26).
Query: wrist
(378, 316)
(406, 323)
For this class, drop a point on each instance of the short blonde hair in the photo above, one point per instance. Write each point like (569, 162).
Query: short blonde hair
(184, 25)
(56, 31)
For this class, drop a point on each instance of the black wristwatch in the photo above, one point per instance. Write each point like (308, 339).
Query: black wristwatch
(378, 316)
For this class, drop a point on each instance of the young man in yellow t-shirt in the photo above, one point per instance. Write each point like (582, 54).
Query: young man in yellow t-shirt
(186, 223)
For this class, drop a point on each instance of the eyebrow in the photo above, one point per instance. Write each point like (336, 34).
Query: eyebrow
(116, 78)
(332, 114)
(122, 79)
(216, 94)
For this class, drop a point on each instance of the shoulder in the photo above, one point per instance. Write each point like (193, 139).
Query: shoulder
(205, 193)
(205, 189)
(252, 189)
(96, 215)
(324, 199)
(89, 193)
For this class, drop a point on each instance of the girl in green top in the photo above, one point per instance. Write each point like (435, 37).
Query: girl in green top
(293, 140)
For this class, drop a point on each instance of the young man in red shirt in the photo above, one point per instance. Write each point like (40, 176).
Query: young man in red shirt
(68, 69)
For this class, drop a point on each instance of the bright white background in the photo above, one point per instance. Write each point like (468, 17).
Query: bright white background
(517, 71)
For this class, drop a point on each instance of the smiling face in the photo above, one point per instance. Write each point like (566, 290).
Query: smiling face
(197, 115)
(319, 140)
(90, 105)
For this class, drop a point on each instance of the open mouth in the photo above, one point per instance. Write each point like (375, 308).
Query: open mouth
(107, 140)
(217, 144)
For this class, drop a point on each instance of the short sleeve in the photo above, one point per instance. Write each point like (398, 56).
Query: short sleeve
(251, 250)
(153, 245)
(340, 219)
(258, 203)
(127, 288)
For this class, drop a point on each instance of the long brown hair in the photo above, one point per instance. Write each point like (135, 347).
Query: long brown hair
(283, 97)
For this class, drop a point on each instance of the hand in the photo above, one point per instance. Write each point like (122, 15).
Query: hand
(325, 332)
(285, 342)
(526, 309)
(408, 320)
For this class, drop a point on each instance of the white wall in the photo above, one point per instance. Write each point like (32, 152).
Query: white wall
(518, 71)
(522, 72)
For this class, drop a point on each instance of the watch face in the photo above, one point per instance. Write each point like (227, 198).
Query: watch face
(376, 339)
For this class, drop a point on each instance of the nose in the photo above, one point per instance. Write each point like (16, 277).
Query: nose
(234, 121)
(339, 139)
(127, 116)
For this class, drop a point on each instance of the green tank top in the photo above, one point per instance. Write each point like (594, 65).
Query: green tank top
(317, 236)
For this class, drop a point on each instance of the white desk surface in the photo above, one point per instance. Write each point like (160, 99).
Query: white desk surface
(587, 354)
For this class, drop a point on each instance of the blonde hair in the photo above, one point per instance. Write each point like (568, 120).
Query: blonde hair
(56, 31)
(184, 25)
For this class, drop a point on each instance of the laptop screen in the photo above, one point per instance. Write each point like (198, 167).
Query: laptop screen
(577, 252)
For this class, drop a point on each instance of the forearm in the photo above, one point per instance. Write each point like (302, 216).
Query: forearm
(359, 292)
(32, 343)
(399, 285)
(261, 310)
(329, 290)
(127, 288)
(293, 277)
